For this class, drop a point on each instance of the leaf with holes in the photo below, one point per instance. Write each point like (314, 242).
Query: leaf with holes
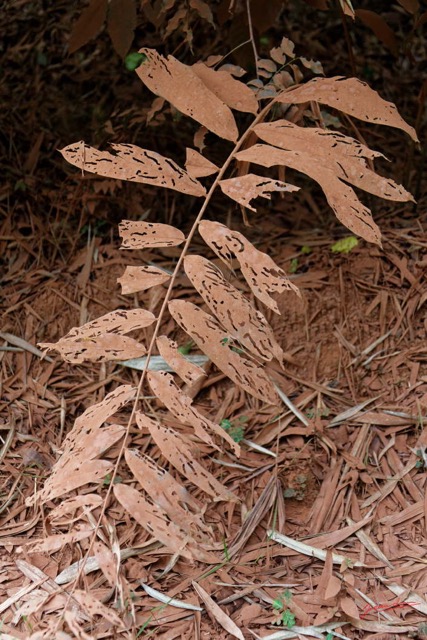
(260, 271)
(168, 494)
(101, 339)
(236, 314)
(350, 95)
(187, 371)
(179, 405)
(243, 189)
(232, 92)
(179, 84)
(88, 439)
(180, 453)
(132, 163)
(143, 235)
(341, 197)
(213, 340)
(136, 279)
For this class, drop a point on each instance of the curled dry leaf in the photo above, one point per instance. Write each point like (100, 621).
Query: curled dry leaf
(179, 405)
(243, 189)
(341, 197)
(198, 166)
(87, 502)
(143, 235)
(178, 83)
(87, 440)
(153, 519)
(129, 162)
(237, 315)
(168, 494)
(187, 371)
(217, 613)
(232, 92)
(211, 338)
(137, 279)
(178, 451)
(260, 271)
(344, 155)
(351, 96)
(101, 339)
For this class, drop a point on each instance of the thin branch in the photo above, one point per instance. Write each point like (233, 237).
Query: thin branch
(251, 35)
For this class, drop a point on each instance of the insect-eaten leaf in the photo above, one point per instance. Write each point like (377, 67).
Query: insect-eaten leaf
(236, 314)
(179, 84)
(213, 340)
(102, 340)
(129, 162)
(143, 235)
(137, 279)
(245, 188)
(232, 92)
(174, 356)
(261, 272)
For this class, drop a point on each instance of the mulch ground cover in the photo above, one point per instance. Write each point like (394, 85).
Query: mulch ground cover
(337, 472)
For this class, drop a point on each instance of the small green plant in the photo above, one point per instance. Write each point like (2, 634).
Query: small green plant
(286, 617)
(235, 428)
(345, 245)
(134, 60)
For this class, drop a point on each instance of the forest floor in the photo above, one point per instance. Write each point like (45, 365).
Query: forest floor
(340, 466)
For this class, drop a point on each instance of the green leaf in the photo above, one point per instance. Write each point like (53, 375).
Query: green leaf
(134, 60)
(345, 245)
(288, 618)
(186, 348)
(277, 604)
(305, 250)
(294, 265)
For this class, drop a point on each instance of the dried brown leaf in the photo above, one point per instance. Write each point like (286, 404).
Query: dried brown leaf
(179, 452)
(58, 541)
(187, 371)
(101, 339)
(211, 338)
(380, 28)
(232, 92)
(121, 24)
(179, 405)
(350, 610)
(88, 439)
(341, 197)
(153, 519)
(93, 607)
(218, 614)
(168, 494)
(107, 561)
(142, 235)
(136, 279)
(237, 315)
(350, 95)
(198, 166)
(345, 155)
(243, 189)
(88, 25)
(260, 271)
(178, 83)
(134, 164)
(203, 9)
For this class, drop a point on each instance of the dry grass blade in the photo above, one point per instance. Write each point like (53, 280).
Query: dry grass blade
(187, 371)
(143, 235)
(178, 451)
(341, 197)
(179, 405)
(212, 339)
(350, 95)
(245, 188)
(87, 440)
(236, 314)
(179, 84)
(260, 271)
(134, 164)
(313, 552)
(136, 279)
(218, 614)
